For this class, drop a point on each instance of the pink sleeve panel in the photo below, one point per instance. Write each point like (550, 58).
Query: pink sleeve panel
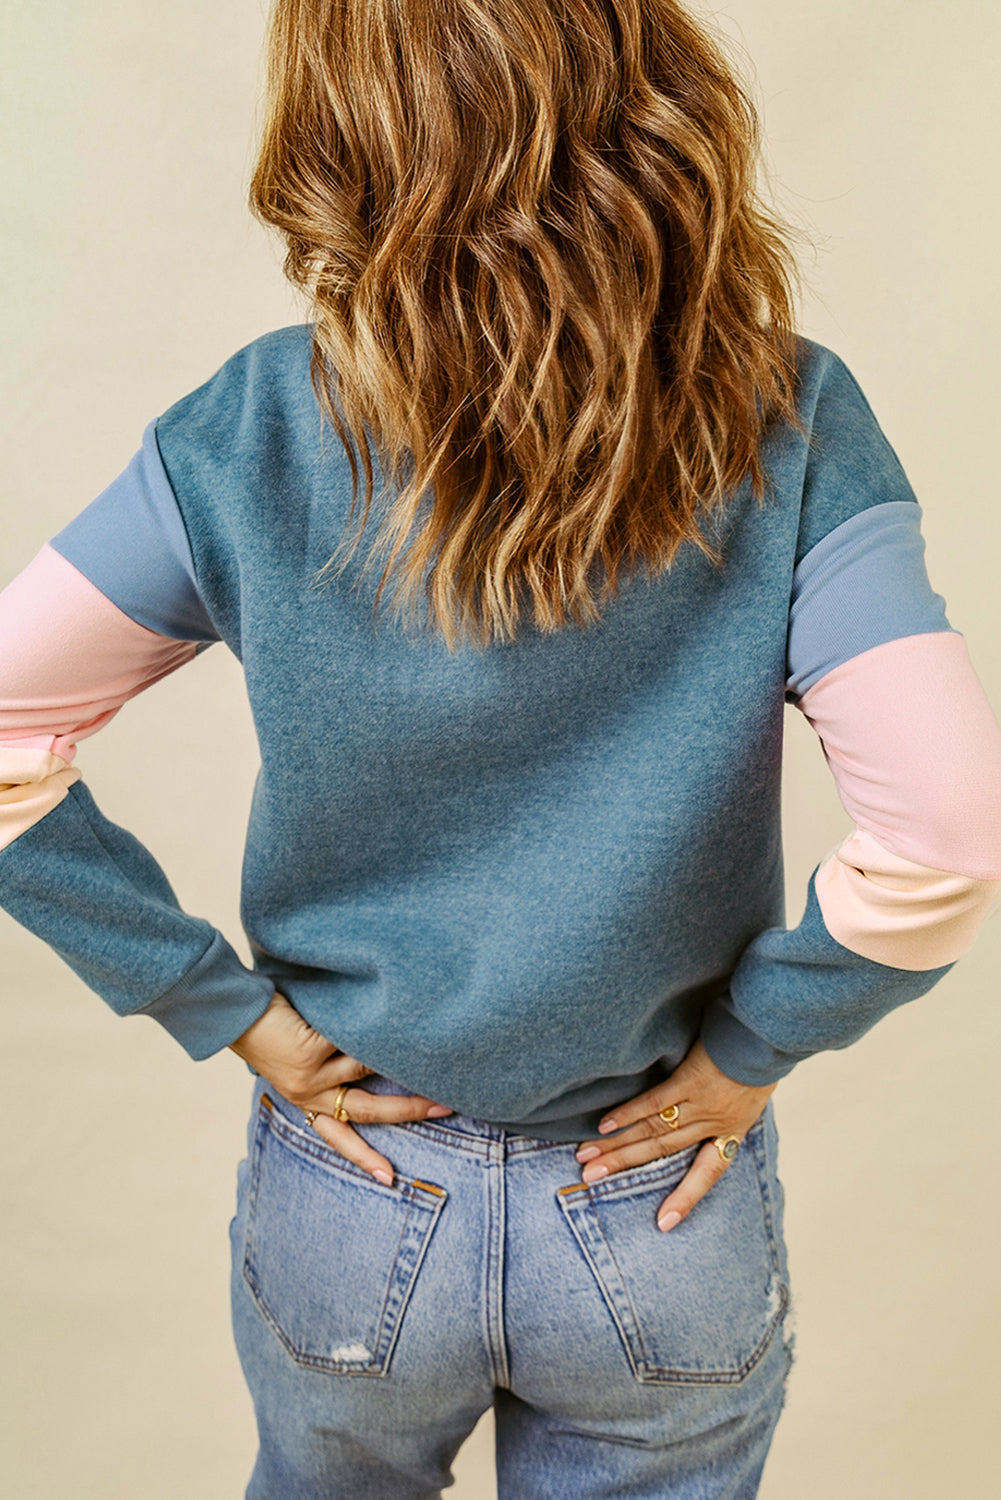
(897, 911)
(69, 660)
(914, 747)
(915, 750)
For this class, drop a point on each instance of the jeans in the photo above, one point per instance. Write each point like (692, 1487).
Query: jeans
(375, 1325)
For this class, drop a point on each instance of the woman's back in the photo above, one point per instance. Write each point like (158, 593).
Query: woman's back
(520, 879)
(543, 879)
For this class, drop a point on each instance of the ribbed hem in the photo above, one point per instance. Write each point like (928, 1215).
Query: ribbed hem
(740, 1053)
(213, 1003)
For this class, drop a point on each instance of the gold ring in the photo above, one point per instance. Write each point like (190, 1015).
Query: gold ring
(727, 1146)
(339, 1112)
(670, 1116)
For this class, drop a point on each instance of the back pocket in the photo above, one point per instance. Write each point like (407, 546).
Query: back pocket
(700, 1303)
(330, 1255)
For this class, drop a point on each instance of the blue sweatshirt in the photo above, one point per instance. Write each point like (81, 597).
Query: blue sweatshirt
(520, 880)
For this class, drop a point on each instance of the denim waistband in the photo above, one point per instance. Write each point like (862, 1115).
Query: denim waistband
(473, 1134)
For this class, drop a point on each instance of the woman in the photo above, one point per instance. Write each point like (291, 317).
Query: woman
(515, 864)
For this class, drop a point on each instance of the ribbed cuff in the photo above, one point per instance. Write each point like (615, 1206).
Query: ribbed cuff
(213, 1003)
(738, 1051)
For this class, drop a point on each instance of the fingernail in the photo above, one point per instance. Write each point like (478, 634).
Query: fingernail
(594, 1172)
(384, 1177)
(588, 1153)
(669, 1220)
(606, 1126)
(437, 1111)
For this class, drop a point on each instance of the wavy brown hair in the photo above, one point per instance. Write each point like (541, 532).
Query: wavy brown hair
(541, 279)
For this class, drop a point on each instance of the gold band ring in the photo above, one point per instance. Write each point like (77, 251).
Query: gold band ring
(670, 1116)
(339, 1112)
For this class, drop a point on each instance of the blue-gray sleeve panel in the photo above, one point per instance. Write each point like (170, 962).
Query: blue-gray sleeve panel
(861, 585)
(798, 991)
(93, 891)
(132, 544)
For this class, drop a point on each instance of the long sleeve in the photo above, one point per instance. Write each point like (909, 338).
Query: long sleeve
(914, 748)
(104, 610)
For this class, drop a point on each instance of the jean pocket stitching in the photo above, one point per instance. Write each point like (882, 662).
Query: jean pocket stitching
(579, 1212)
(763, 1171)
(421, 1204)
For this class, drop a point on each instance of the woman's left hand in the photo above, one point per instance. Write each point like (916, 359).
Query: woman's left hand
(710, 1103)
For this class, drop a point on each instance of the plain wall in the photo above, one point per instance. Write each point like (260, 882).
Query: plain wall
(132, 270)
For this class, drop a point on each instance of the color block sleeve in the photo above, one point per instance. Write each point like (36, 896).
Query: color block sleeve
(104, 610)
(914, 748)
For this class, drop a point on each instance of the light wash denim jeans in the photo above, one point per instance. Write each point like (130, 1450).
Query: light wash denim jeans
(375, 1325)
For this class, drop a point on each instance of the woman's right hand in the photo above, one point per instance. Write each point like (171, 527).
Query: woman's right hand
(307, 1069)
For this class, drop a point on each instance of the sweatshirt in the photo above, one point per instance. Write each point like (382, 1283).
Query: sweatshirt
(519, 879)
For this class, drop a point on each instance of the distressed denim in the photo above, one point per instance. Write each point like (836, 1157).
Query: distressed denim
(375, 1325)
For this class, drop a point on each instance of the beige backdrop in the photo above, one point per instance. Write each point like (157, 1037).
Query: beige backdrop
(132, 271)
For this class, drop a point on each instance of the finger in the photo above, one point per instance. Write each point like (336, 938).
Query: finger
(632, 1110)
(308, 1086)
(649, 1148)
(364, 1108)
(705, 1171)
(349, 1144)
(651, 1127)
(339, 1069)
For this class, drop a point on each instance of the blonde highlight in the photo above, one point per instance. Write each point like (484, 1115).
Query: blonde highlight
(542, 284)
